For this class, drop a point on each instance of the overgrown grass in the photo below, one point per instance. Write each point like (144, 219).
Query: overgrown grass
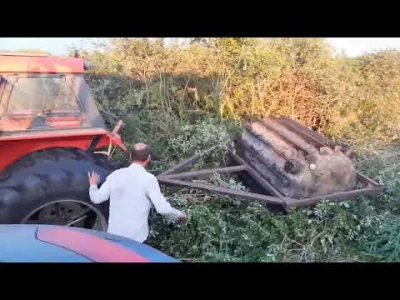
(222, 228)
(186, 100)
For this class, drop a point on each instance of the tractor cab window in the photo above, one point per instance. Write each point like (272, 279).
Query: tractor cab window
(37, 95)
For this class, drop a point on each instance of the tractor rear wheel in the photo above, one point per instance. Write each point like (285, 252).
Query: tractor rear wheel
(51, 187)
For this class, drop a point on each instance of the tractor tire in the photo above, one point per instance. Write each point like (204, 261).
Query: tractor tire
(50, 186)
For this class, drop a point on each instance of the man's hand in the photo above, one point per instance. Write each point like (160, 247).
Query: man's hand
(94, 178)
(183, 218)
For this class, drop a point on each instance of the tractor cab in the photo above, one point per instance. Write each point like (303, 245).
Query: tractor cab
(45, 93)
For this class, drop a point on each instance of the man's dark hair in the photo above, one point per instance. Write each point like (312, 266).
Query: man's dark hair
(140, 152)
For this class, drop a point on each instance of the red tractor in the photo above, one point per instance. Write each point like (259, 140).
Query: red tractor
(51, 136)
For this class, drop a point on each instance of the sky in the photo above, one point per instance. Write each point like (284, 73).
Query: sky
(59, 46)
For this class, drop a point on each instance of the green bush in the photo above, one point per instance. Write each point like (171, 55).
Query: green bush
(186, 100)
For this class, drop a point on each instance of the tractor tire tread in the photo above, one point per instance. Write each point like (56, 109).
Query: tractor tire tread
(48, 175)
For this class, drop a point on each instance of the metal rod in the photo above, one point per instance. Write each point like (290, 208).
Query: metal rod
(195, 174)
(256, 176)
(282, 176)
(304, 132)
(76, 221)
(222, 190)
(335, 197)
(248, 147)
(78, 216)
(289, 136)
(367, 180)
(180, 166)
(278, 151)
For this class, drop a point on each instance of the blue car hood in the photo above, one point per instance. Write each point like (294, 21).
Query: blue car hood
(44, 243)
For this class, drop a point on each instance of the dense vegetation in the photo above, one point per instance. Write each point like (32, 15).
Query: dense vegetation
(182, 100)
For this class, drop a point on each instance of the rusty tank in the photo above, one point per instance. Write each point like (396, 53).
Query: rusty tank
(295, 167)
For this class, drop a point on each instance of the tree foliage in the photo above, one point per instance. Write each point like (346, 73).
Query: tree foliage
(183, 100)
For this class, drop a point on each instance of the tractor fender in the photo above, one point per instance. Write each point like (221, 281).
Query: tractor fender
(16, 146)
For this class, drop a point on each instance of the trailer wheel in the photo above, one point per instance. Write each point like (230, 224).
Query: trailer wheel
(51, 187)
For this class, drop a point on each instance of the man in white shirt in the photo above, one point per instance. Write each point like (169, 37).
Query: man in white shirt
(131, 192)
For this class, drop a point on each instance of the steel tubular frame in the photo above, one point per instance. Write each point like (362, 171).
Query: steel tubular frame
(174, 178)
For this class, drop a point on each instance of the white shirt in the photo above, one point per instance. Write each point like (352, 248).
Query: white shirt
(131, 191)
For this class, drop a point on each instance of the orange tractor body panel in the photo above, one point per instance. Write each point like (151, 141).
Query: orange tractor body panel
(17, 146)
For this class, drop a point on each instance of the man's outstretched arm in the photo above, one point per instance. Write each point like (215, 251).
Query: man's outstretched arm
(97, 195)
(161, 204)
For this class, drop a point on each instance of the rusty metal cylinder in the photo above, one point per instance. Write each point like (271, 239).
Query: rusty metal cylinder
(294, 166)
